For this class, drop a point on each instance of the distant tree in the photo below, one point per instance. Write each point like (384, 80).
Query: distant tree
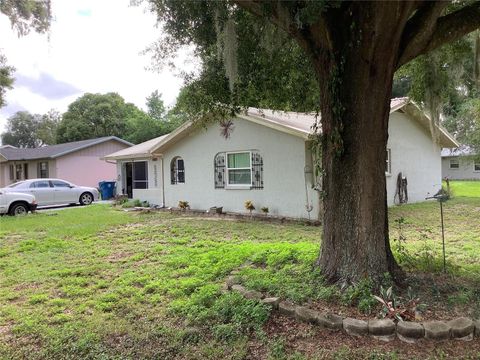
(6, 79)
(94, 115)
(155, 106)
(47, 127)
(22, 130)
(141, 126)
(24, 15)
(466, 124)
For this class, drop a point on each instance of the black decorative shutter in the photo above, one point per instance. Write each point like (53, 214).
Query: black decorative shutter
(257, 170)
(219, 170)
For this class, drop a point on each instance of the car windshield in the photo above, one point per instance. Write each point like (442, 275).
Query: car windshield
(17, 184)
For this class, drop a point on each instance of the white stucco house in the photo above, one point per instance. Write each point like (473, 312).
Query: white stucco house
(266, 158)
(460, 164)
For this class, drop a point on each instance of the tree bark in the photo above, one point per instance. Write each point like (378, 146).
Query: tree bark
(355, 79)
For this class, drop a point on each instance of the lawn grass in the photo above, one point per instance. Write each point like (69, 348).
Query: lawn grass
(465, 188)
(93, 282)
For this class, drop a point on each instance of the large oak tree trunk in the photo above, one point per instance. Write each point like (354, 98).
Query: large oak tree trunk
(355, 80)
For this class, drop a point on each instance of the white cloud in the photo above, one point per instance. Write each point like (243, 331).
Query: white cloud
(92, 46)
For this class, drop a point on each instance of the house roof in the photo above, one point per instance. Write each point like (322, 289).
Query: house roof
(53, 151)
(301, 123)
(141, 150)
(294, 123)
(463, 150)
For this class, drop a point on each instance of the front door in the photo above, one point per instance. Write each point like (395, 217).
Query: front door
(129, 180)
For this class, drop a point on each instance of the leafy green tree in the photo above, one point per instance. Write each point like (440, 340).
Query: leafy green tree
(21, 130)
(446, 83)
(47, 127)
(155, 106)
(94, 115)
(466, 124)
(354, 49)
(142, 126)
(24, 15)
(6, 79)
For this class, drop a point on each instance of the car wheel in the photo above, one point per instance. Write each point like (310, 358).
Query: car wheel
(86, 199)
(19, 209)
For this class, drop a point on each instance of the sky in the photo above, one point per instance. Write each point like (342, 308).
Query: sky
(93, 46)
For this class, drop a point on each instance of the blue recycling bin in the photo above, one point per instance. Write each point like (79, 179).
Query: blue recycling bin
(107, 189)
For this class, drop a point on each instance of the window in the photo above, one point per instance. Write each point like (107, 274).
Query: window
(454, 164)
(239, 169)
(12, 172)
(40, 184)
(18, 171)
(60, 184)
(42, 169)
(140, 175)
(25, 171)
(388, 165)
(177, 171)
(476, 165)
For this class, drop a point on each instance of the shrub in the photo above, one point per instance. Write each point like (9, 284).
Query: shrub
(120, 199)
(249, 206)
(184, 205)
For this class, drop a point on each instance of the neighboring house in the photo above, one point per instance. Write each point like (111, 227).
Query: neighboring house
(460, 164)
(266, 158)
(78, 162)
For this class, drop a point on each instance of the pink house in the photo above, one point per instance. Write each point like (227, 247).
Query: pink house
(78, 162)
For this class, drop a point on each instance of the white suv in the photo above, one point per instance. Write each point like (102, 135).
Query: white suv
(13, 203)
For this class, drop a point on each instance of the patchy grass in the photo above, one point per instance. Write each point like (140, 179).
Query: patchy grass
(465, 188)
(98, 283)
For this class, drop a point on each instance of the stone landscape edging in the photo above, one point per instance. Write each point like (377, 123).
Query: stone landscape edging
(462, 328)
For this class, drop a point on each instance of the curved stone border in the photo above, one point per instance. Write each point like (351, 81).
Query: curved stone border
(462, 328)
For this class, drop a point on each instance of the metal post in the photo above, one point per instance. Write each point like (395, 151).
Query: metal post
(441, 198)
(443, 238)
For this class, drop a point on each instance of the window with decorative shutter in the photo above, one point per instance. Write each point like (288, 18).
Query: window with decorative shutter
(239, 171)
(257, 170)
(219, 171)
(177, 171)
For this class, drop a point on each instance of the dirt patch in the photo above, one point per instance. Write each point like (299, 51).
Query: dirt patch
(325, 344)
(5, 331)
(118, 257)
(27, 286)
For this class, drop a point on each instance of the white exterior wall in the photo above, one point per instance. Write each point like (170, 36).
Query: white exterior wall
(415, 155)
(464, 172)
(284, 163)
(154, 192)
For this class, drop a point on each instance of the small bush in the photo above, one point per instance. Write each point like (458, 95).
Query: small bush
(182, 204)
(353, 295)
(235, 309)
(120, 199)
(249, 206)
(227, 332)
(135, 203)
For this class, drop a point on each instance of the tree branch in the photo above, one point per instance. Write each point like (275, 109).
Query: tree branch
(311, 38)
(436, 31)
(272, 11)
